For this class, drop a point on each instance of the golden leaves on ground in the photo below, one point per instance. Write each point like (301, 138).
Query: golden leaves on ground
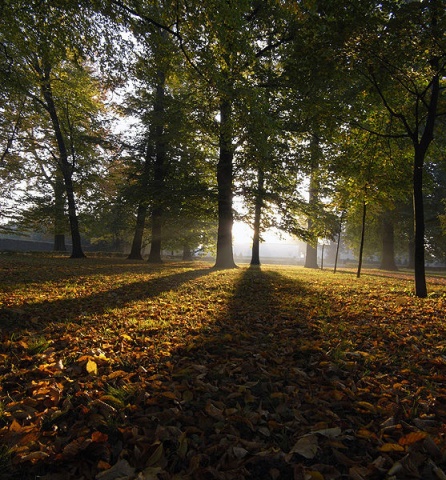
(116, 370)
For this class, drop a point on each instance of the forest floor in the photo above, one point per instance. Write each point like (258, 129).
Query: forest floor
(112, 369)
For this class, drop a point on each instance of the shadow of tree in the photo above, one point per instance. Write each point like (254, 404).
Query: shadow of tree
(79, 309)
(21, 269)
(235, 391)
(238, 398)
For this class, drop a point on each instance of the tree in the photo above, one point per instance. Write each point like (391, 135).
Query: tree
(166, 105)
(47, 67)
(226, 46)
(388, 242)
(11, 172)
(313, 199)
(221, 42)
(409, 84)
(142, 187)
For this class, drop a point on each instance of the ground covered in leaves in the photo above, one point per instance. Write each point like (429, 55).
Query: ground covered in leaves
(112, 369)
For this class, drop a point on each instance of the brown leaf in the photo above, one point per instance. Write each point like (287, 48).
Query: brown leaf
(99, 437)
(120, 471)
(412, 437)
(307, 446)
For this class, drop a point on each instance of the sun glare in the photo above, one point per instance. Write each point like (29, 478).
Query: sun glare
(241, 233)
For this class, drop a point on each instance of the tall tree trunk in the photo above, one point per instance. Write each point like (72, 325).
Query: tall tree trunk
(420, 271)
(187, 252)
(313, 196)
(155, 244)
(141, 213)
(255, 257)
(411, 250)
(76, 251)
(338, 242)
(310, 253)
(65, 166)
(159, 171)
(420, 149)
(421, 146)
(361, 246)
(225, 254)
(59, 213)
(388, 243)
(135, 252)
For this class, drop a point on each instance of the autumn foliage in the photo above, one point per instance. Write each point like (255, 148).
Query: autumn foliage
(112, 369)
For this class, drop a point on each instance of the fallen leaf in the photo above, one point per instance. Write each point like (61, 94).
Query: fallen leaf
(412, 437)
(119, 471)
(306, 446)
(91, 367)
(391, 447)
(329, 432)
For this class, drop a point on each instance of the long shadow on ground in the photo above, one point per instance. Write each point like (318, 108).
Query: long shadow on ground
(259, 392)
(233, 400)
(80, 309)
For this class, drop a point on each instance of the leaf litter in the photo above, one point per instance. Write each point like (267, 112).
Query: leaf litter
(113, 369)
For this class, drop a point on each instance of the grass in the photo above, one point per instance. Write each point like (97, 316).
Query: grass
(181, 371)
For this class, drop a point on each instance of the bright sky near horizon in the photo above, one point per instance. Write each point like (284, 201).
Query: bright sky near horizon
(242, 233)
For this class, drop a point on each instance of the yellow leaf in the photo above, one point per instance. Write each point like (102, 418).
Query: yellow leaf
(34, 457)
(391, 447)
(366, 406)
(314, 475)
(364, 433)
(170, 395)
(92, 367)
(214, 411)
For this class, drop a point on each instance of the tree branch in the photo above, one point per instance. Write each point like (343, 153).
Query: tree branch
(388, 107)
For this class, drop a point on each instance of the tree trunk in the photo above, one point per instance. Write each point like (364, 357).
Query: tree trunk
(76, 251)
(225, 254)
(187, 252)
(155, 244)
(65, 167)
(338, 243)
(420, 150)
(159, 171)
(135, 252)
(255, 257)
(420, 273)
(59, 213)
(388, 244)
(310, 254)
(361, 246)
(59, 243)
(141, 213)
(411, 250)
(313, 192)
